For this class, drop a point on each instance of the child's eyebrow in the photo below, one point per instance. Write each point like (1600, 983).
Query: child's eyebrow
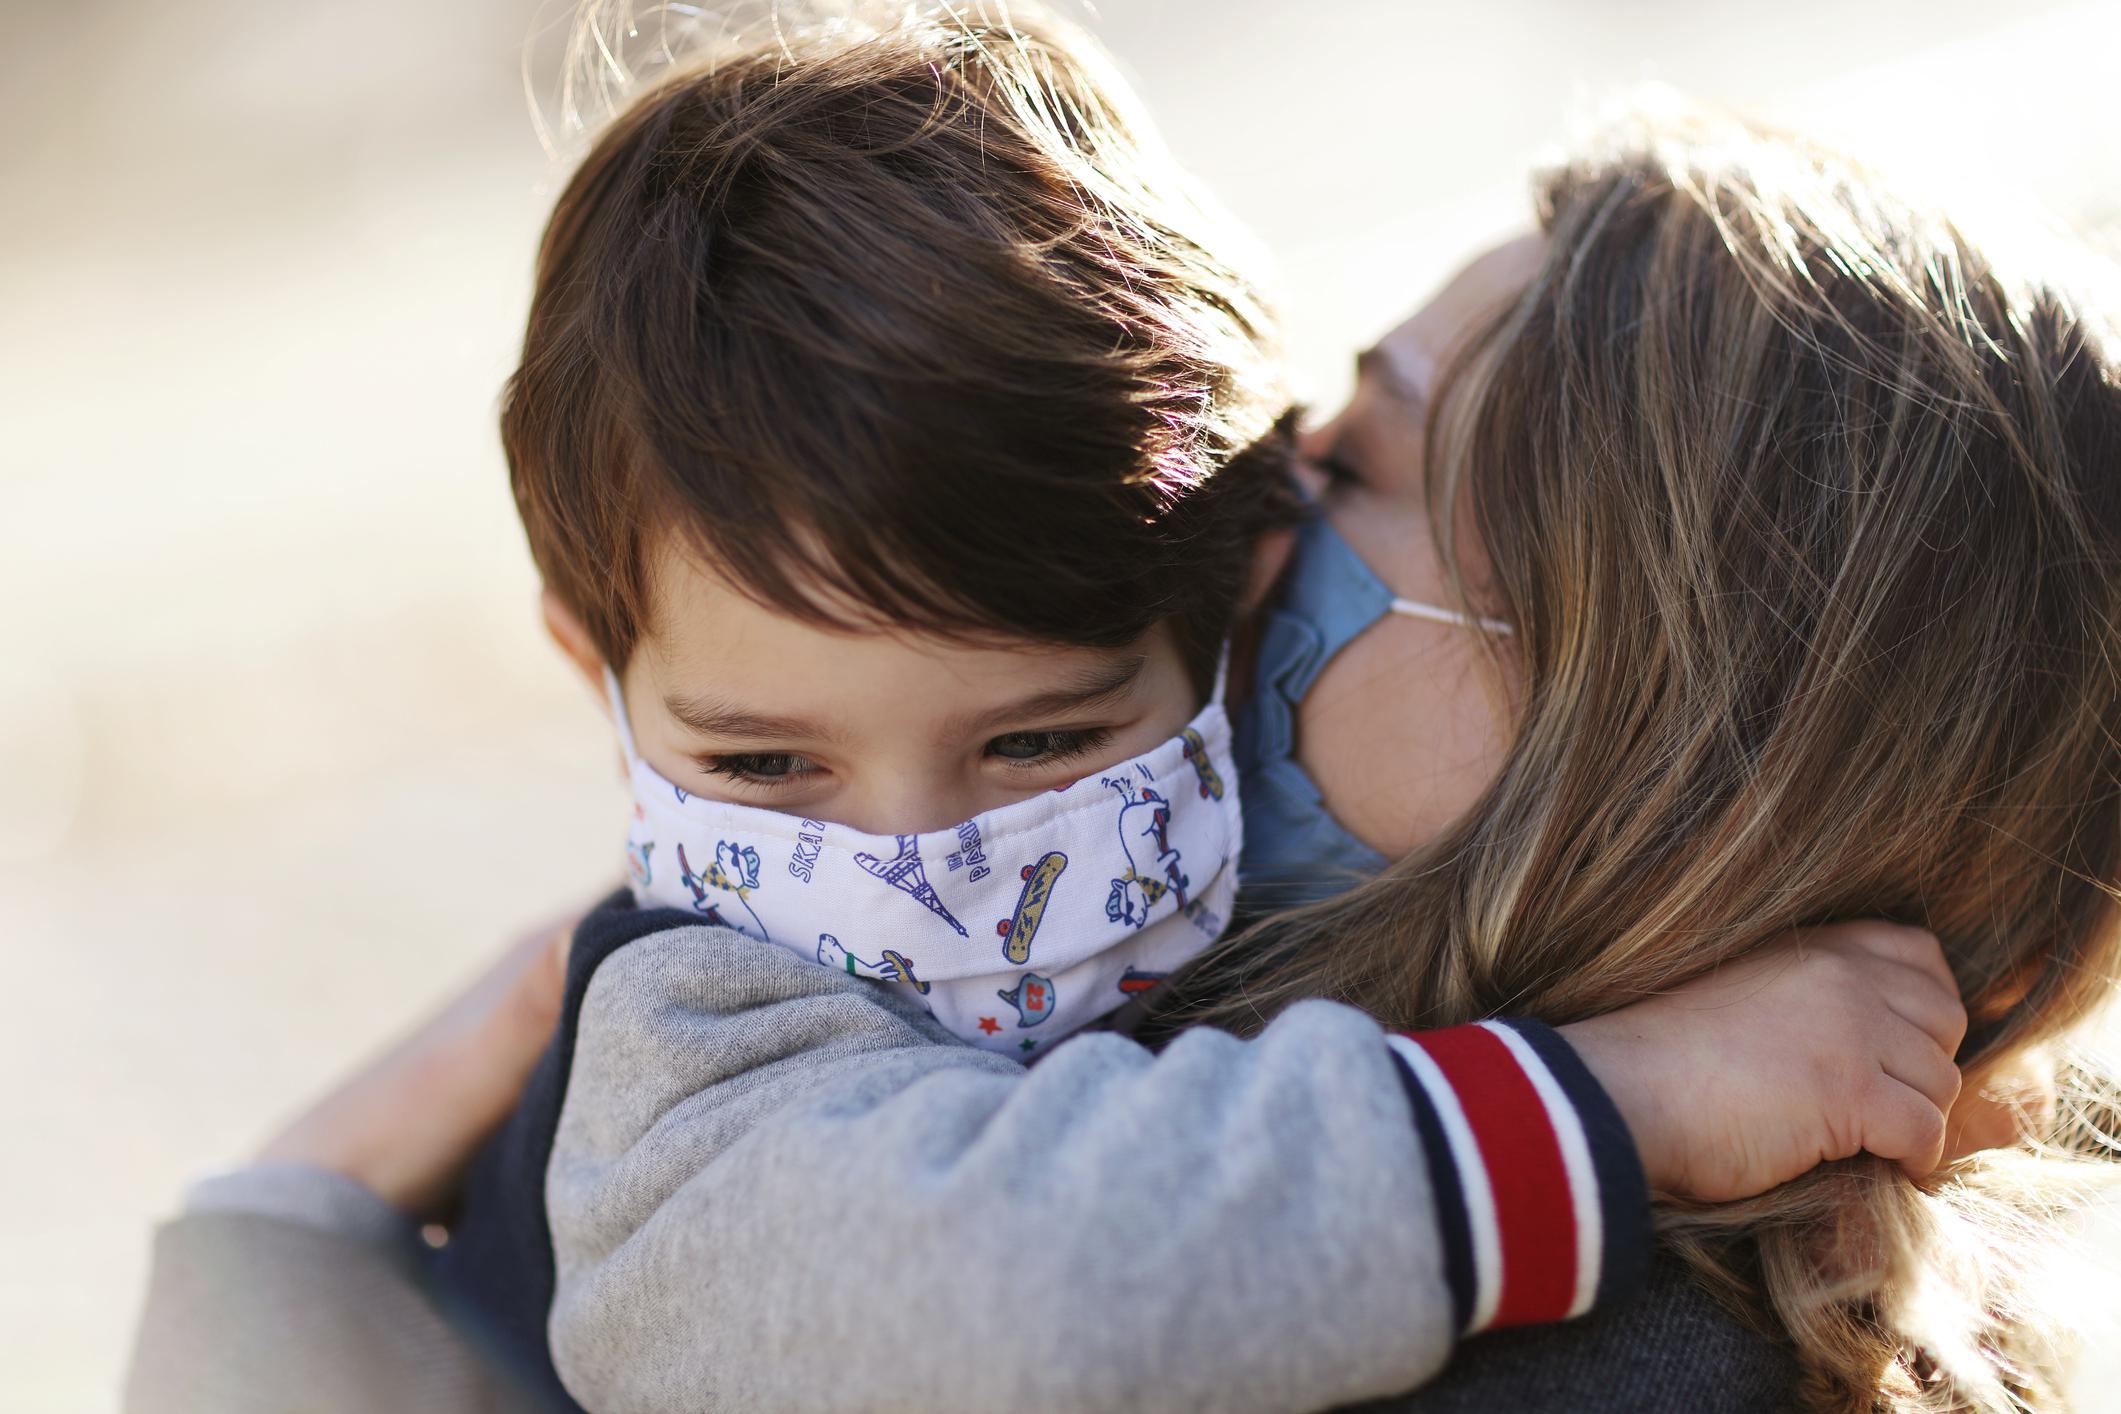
(712, 718)
(1093, 687)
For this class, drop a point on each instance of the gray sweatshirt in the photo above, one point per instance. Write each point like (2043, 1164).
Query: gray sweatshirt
(769, 1185)
(285, 1288)
(255, 1305)
(253, 1310)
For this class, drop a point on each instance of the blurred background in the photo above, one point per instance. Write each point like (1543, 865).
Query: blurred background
(282, 752)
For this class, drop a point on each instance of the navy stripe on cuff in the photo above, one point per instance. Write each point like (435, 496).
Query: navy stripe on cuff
(1623, 1191)
(1452, 1222)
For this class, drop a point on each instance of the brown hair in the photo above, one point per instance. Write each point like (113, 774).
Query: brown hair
(907, 323)
(1807, 514)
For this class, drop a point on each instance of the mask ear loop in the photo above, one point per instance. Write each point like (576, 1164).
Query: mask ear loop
(1222, 675)
(619, 719)
(1414, 609)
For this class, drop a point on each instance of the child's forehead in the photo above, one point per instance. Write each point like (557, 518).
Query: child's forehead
(707, 640)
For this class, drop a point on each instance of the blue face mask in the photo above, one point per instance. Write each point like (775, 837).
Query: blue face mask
(1295, 851)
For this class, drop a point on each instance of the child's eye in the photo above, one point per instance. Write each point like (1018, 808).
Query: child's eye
(1048, 747)
(761, 768)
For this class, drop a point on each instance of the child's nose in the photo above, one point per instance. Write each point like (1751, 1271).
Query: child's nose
(905, 804)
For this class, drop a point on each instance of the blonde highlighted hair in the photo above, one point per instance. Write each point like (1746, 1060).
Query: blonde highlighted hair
(1808, 516)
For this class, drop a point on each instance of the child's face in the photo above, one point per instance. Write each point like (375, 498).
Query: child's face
(888, 733)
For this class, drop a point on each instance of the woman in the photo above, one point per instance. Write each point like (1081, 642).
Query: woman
(1804, 520)
(1807, 518)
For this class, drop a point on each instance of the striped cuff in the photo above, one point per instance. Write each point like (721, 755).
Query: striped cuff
(1539, 1194)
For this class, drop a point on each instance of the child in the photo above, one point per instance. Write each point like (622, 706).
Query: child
(894, 451)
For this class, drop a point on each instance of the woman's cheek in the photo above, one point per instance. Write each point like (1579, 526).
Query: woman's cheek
(1403, 731)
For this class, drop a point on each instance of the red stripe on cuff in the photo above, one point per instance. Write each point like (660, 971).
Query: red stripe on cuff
(1534, 1209)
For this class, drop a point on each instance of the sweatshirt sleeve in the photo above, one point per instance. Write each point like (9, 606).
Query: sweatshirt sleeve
(251, 1310)
(307, 1196)
(775, 1186)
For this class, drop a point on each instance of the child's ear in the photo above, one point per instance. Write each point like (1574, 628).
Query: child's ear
(574, 641)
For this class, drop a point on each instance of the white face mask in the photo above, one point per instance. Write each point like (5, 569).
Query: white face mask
(1014, 928)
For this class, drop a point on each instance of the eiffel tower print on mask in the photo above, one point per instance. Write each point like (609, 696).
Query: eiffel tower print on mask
(906, 874)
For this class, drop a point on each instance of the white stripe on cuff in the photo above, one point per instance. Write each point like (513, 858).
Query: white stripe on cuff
(1575, 1158)
(1472, 1179)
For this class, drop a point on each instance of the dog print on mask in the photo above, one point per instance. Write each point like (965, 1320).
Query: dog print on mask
(735, 870)
(1144, 826)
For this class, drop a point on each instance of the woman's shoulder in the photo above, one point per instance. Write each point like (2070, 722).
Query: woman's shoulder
(1670, 1350)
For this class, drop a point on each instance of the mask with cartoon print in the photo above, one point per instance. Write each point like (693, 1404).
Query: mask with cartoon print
(1014, 928)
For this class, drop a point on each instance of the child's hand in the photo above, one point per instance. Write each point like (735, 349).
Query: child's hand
(1836, 1040)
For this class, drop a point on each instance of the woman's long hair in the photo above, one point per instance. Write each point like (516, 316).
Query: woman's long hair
(1808, 516)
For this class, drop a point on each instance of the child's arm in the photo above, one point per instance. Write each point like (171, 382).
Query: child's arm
(254, 1309)
(772, 1188)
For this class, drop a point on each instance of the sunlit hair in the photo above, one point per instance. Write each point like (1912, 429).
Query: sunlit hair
(904, 319)
(1808, 518)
